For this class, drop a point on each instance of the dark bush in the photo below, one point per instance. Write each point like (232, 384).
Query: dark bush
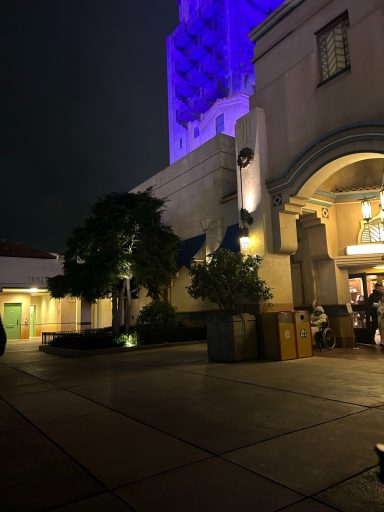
(157, 323)
(84, 340)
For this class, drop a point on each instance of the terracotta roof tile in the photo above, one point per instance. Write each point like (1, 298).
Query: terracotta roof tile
(17, 250)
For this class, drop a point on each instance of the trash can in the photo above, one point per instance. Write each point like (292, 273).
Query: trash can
(279, 335)
(303, 333)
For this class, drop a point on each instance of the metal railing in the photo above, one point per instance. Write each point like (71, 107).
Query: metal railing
(49, 337)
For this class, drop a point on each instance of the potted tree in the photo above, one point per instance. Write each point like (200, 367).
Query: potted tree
(230, 280)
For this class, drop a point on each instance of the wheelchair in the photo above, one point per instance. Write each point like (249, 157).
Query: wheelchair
(325, 337)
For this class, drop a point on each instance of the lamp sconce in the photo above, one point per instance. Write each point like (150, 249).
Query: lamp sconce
(366, 209)
(244, 238)
(245, 157)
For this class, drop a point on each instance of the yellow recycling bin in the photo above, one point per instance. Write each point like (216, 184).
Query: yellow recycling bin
(279, 335)
(303, 333)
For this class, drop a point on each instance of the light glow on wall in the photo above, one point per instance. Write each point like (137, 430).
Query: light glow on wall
(365, 249)
(25, 290)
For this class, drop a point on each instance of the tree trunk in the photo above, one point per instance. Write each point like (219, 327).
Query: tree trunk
(128, 305)
(121, 302)
(115, 316)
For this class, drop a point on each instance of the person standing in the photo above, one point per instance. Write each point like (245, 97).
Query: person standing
(373, 301)
(380, 318)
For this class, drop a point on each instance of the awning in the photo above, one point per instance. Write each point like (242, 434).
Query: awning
(231, 239)
(188, 249)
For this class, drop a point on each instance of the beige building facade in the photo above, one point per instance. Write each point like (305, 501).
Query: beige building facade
(316, 129)
(201, 207)
(319, 105)
(26, 308)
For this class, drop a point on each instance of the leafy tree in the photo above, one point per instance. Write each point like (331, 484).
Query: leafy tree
(229, 280)
(122, 237)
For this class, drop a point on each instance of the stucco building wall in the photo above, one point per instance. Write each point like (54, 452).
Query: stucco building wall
(298, 109)
(200, 191)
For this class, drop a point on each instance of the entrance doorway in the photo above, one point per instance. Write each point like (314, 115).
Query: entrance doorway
(12, 321)
(361, 286)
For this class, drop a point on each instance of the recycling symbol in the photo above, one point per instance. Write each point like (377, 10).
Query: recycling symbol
(303, 333)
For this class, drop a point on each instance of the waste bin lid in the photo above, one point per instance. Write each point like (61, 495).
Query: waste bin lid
(301, 316)
(284, 317)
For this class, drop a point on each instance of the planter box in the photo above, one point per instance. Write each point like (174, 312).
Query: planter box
(231, 338)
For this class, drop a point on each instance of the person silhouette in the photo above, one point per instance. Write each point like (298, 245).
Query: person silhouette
(3, 338)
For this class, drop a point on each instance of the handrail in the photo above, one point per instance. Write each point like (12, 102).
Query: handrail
(49, 337)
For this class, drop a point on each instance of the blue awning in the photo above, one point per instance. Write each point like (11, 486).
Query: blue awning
(231, 239)
(188, 249)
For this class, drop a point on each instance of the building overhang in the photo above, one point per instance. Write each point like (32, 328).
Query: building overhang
(27, 289)
(359, 261)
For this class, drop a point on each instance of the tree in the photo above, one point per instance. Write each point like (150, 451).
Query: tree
(229, 280)
(123, 237)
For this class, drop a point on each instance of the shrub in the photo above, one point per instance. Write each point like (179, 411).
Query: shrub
(157, 322)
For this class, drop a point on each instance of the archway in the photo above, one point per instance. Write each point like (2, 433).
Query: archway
(328, 226)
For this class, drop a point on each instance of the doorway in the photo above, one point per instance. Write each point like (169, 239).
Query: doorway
(12, 321)
(361, 286)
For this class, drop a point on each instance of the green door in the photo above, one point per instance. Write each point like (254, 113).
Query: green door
(32, 321)
(12, 321)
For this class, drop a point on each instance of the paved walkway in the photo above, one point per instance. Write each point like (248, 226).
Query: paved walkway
(163, 430)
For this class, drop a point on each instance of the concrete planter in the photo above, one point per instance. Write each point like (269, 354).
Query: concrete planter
(231, 338)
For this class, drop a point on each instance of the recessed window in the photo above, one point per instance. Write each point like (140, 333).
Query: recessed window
(196, 132)
(180, 143)
(220, 123)
(333, 47)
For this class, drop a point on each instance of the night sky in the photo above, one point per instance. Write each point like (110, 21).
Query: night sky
(83, 110)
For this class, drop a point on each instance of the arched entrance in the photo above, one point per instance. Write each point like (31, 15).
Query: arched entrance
(318, 222)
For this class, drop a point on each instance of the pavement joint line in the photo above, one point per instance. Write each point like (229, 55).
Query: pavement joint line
(164, 472)
(331, 507)
(294, 432)
(210, 455)
(33, 425)
(221, 454)
(263, 477)
(117, 411)
(83, 500)
(72, 502)
(109, 409)
(343, 481)
(288, 391)
(314, 495)
(172, 367)
(140, 422)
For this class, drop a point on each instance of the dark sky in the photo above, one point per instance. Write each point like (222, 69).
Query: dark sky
(83, 108)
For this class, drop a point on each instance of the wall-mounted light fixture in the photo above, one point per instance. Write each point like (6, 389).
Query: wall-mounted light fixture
(244, 158)
(366, 210)
(244, 238)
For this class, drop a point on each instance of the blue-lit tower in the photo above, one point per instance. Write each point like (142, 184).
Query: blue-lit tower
(210, 71)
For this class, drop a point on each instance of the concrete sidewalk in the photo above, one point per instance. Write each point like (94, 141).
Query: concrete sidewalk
(163, 430)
